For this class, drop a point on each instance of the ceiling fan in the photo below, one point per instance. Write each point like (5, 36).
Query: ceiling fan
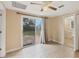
(47, 5)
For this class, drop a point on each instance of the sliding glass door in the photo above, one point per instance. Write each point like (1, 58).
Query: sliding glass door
(39, 31)
(28, 31)
(33, 30)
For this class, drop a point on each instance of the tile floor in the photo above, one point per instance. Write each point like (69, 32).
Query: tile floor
(44, 51)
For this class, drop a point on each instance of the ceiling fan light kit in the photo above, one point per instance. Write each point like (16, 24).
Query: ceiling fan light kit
(47, 5)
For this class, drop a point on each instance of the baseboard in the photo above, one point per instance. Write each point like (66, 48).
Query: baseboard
(55, 41)
(12, 50)
(61, 43)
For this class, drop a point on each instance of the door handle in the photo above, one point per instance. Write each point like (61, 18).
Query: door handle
(0, 31)
(0, 14)
(0, 49)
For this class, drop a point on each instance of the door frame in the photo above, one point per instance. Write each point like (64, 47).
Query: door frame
(3, 53)
(76, 32)
(22, 27)
(22, 16)
(74, 39)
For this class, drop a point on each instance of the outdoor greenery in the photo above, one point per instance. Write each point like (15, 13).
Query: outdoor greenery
(29, 33)
(28, 27)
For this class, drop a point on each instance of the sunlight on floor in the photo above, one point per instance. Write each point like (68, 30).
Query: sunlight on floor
(43, 51)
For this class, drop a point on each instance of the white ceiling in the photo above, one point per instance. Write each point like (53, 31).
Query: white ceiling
(69, 6)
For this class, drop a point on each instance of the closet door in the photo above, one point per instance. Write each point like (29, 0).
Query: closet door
(2, 30)
(68, 31)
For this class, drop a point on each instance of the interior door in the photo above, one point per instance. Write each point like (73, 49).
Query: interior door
(1, 35)
(2, 30)
(68, 31)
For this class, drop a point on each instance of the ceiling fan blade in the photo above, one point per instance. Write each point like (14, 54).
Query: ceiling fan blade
(53, 8)
(35, 3)
(61, 6)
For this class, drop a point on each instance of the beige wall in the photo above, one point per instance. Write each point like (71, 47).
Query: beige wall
(60, 36)
(51, 24)
(55, 28)
(13, 30)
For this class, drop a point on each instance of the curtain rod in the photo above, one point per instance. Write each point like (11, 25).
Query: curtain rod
(32, 15)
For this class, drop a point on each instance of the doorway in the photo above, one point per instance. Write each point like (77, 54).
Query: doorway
(69, 31)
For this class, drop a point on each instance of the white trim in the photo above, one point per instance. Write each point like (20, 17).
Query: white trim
(4, 32)
(76, 42)
(3, 52)
(55, 41)
(74, 39)
(62, 41)
(12, 50)
(74, 33)
(22, 31)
